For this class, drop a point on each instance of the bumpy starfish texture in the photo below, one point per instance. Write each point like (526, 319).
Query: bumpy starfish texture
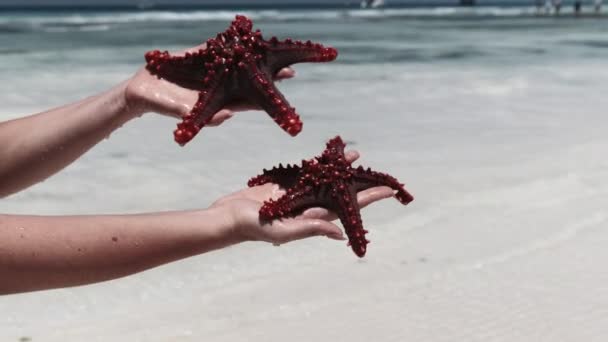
(237, 66)
(327, 181)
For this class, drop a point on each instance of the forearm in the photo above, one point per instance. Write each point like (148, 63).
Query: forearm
(35, 147)
(39, 253)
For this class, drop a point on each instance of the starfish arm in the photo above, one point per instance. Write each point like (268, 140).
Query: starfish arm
(210, 101)
(284, 176)
(365, 179)
(292, 203)
(288, 52)
(270, 99)
(347, 209)
(188, 71)
(334, 151)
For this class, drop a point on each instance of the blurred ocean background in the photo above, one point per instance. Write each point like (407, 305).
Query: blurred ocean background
(494, 117)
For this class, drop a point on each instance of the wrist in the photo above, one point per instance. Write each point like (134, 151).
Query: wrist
(133, 94)
(223, 226)
(194, 232)
(234, 224)
(122, 107)
(132, 103)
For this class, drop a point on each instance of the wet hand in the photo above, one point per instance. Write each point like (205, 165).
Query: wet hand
(148, 93)
(244, 207)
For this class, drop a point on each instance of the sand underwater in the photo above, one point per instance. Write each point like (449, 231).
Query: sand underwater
(496, 121)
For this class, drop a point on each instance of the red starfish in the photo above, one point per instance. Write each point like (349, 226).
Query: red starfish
(327, 181)
(237, 66)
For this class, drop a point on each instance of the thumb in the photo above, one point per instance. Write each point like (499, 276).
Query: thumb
(219, 117)
(304, 228)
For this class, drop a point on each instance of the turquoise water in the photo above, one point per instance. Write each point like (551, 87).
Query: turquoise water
(66, 42)
(478, 35)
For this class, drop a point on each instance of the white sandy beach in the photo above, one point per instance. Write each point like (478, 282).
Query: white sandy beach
(506, 240)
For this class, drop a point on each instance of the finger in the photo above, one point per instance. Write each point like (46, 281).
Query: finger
(351, 155)
(364, 198)
(319, 213)
(300, 229)
(262, 193)
(258, 193)
(284, 74)
(266, 192)
(372, 195)
(220, 117)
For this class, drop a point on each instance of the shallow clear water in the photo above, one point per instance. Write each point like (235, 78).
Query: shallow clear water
(493, 117)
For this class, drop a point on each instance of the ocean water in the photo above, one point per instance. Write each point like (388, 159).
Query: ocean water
(494, 117)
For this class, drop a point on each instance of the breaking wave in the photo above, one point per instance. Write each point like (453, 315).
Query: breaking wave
(95, 19)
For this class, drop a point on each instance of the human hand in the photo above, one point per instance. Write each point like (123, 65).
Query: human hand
(243, 206)
(146, 92)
